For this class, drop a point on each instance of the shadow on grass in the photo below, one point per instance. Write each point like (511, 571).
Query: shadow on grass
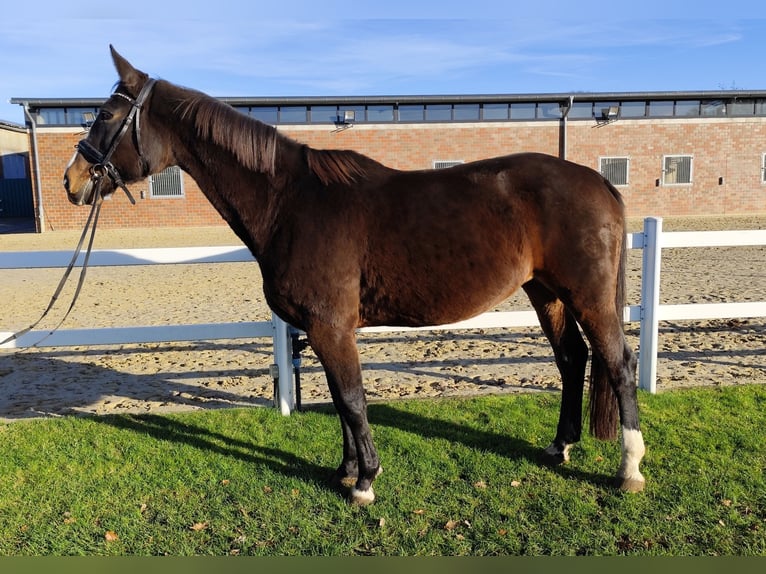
(170, 429)
(292, 465)
(507, 446)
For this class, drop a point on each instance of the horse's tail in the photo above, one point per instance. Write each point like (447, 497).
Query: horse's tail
(604, 412)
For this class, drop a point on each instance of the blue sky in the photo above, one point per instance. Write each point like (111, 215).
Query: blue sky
(395, 47)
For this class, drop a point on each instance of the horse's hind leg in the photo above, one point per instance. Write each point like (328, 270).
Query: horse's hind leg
(571, 354)
(614, 363)
(338, 354)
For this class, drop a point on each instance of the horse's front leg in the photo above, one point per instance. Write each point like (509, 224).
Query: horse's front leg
(337, 351)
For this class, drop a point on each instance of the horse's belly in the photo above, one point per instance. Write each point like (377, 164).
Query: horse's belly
(437, 300)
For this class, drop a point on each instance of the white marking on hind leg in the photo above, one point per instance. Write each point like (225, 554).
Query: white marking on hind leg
(633, 451)
(362, 497)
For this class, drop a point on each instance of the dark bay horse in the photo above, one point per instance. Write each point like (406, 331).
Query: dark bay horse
(344, 242)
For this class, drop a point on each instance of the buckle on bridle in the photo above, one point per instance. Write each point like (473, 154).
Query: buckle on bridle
(98, 171)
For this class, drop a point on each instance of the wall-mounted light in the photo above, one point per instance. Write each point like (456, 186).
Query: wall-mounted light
(610, 114)
(87, 119)
(345, 121)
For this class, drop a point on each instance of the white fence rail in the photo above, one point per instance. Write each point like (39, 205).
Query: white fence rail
(649, 312)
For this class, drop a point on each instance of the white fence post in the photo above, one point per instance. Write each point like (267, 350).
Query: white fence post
(650, 302)
(283, 359)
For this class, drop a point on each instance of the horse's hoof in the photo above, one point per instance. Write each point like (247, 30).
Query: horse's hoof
(631, 484)
(361, 497)
(554, 456)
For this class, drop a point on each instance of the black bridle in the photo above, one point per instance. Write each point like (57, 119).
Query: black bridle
(102, 164)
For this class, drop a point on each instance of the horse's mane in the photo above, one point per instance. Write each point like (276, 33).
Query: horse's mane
(256, 145)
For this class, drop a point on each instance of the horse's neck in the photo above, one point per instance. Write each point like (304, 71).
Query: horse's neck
(245, 196)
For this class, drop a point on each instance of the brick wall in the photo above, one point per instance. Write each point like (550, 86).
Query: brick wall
(726, 148)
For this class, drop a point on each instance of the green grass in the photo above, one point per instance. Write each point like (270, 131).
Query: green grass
(461, 477)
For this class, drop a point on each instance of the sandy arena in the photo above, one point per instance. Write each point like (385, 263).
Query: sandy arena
(183, 376)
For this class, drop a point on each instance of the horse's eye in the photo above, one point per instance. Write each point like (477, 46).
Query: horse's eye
(104, 115)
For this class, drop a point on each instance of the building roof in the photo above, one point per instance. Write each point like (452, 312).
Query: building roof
(430, 99)
(11, 126)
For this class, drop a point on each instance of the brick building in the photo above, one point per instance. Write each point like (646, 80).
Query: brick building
(669, 153)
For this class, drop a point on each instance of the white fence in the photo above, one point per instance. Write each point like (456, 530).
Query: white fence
(649, 312)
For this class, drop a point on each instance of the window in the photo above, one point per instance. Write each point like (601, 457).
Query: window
(548, 110)
(444, 163)
(688, 108)
(411, 113)
(523, 111)
(324, 114)
(266, 114)
(713, 108)
(64, 116)
(615, 169)
(494, 111)
(438, 112)
(581, 110)
(13, 166)
(633, 109)
(661, 109)
(382, 113)
(167, 183)
(466, 112)
(292, 114)
(742, 107)
(676, 169)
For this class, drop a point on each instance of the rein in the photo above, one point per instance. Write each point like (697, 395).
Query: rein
(92, 219)
(102, 167)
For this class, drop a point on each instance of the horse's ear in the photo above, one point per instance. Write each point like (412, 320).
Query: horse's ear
(131, 78)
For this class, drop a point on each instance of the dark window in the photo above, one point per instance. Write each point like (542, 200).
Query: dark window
(324, 114)
(713, 108)
(266, 114)
(382, 113)
(687, 108)
(742, 108)
(581, 111)
(661, 109)
(615, 169)
(549, 110)
(52, 116)
(292, 114)
(438, 112)
(633, 109)
(67, 116)
(411, 113)
(465, 112)
(495, 111)
(523, 111)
